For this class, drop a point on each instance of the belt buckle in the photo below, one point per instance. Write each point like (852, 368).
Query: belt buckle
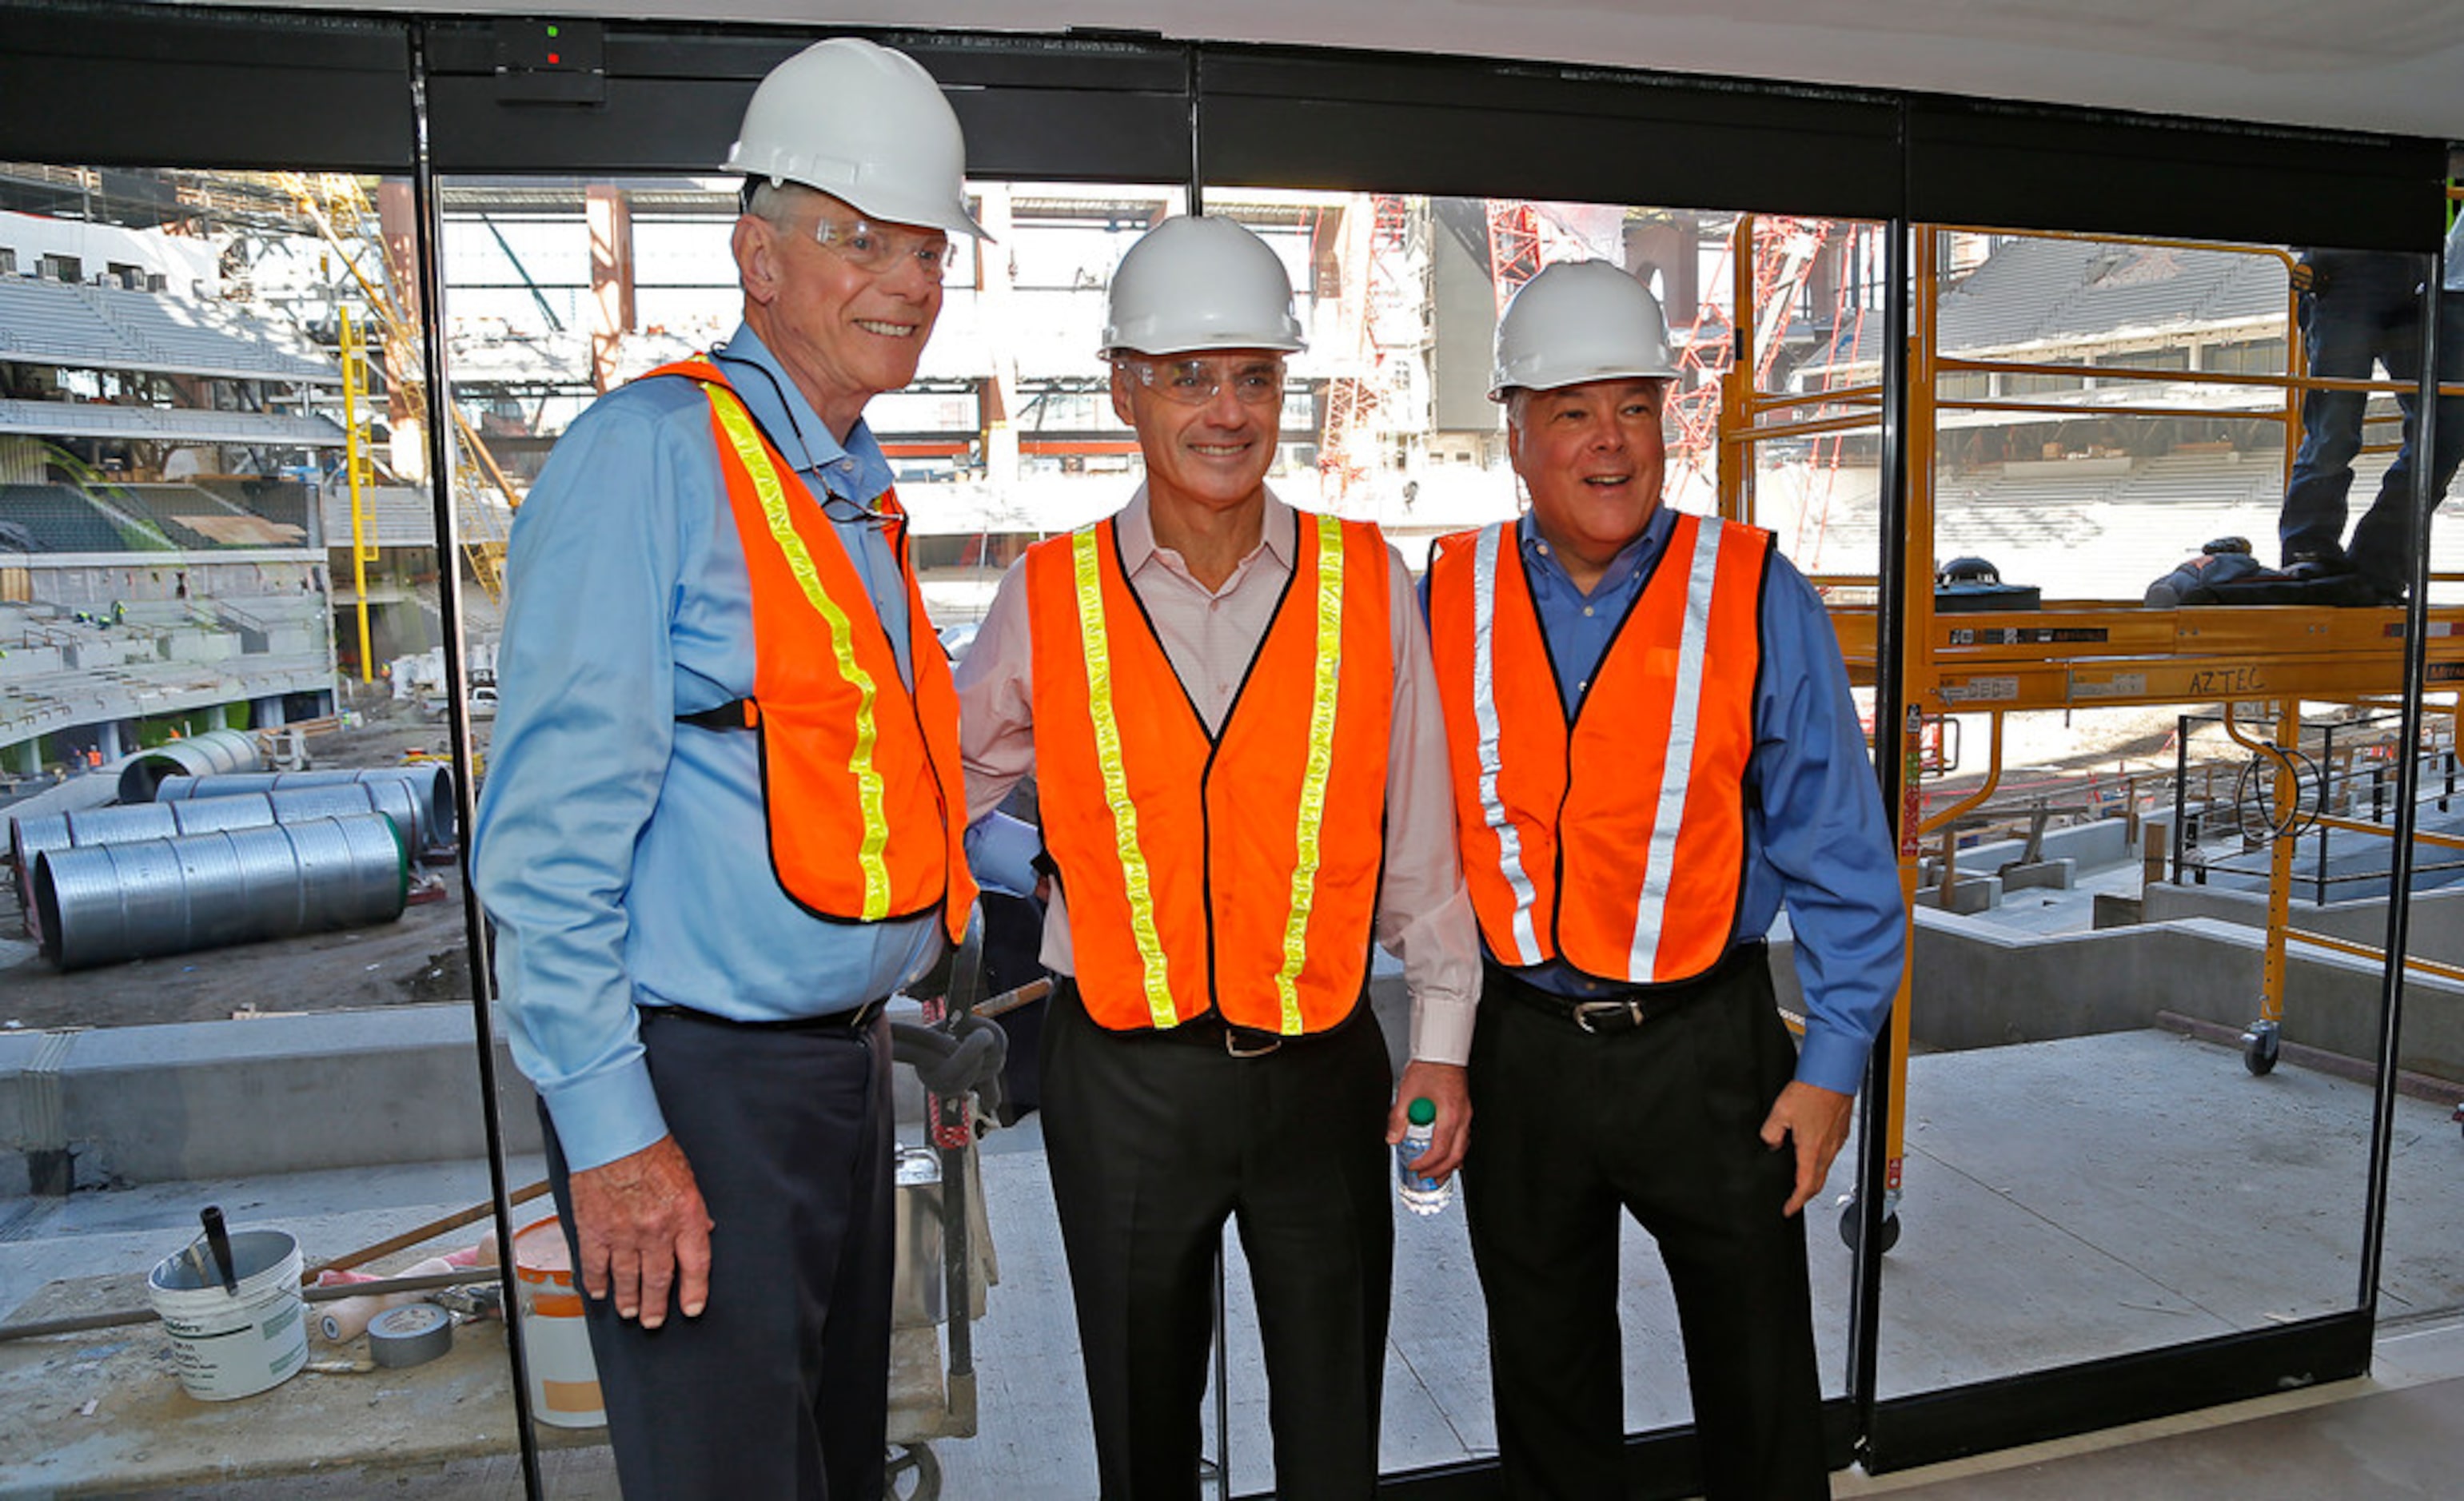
(1232, 1044)
(1589, 1012)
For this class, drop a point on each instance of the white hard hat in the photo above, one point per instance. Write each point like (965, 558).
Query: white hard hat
(1578, 321)
(1194, 284)
(868, 126)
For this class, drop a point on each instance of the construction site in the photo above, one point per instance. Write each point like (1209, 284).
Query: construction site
(2169, 1111)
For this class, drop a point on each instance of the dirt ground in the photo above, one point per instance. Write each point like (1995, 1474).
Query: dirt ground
(422, 957)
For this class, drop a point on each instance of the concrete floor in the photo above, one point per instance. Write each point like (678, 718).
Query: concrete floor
(2064, 1201)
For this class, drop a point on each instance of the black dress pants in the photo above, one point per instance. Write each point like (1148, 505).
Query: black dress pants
(779, 1388)
(1153, 1140)
(1660, 1123)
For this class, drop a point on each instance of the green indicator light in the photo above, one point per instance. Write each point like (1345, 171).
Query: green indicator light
(552, 31)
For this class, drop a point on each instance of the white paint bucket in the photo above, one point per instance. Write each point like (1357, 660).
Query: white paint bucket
(227, 1344)
(556, 1346)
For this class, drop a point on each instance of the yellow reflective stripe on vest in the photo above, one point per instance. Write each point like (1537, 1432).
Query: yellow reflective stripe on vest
(737, 425)
(1087, 567)
(1326, 687)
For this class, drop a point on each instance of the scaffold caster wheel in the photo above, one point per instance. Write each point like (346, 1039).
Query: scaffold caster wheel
(2258, 1048)
(1851, 1226)
(912, 1474)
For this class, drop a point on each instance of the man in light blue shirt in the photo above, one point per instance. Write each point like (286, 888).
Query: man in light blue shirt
(707, 1047)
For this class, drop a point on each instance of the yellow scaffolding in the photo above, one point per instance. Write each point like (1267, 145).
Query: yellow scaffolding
(2064, 656)
(338, 204)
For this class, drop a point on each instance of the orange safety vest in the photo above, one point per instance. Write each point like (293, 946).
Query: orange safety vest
(860, 777)
(1237, 872)
(1617, 840)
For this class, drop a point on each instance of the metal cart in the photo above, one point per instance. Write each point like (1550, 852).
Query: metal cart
(945, 1255)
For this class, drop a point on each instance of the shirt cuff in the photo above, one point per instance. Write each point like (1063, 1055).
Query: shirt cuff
(608, 1116)
(1442, 1028)
(1001, 851)
(1832, 1060)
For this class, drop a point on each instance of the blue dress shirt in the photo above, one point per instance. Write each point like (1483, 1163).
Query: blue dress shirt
(624, 858)
(1815, 836)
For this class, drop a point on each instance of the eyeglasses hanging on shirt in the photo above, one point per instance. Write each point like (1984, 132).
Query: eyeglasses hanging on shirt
(838, 509)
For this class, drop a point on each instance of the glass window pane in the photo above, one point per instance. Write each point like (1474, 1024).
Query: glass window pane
(2138, 1107)
(238, 973)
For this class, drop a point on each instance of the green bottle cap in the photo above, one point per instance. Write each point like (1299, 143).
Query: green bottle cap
(1421, 1113)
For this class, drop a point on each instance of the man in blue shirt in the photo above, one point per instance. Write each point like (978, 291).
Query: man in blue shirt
(1654, 748)
(703, 1028)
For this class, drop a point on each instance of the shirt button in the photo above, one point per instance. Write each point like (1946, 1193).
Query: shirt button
(1583, 686)
(1587, 611)
(1542, 548)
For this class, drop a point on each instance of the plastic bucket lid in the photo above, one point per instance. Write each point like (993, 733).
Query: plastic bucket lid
(234, 1344)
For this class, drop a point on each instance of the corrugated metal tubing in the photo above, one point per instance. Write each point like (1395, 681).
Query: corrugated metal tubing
(30, 838)
(431, 782)
(111, 903)
(216, 752)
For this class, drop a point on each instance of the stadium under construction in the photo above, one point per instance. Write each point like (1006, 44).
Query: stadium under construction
(2162, 1138)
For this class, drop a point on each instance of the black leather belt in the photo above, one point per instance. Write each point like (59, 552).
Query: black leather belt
(1622, 1010)
(1212, 1030)
(836, 1024)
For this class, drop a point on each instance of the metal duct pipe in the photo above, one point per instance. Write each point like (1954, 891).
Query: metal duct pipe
(112, 902)
(30, 838)
(430, 782)
(216, 752)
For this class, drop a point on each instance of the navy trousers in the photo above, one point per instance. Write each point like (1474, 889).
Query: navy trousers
(1660, 1123)
(781, 1387)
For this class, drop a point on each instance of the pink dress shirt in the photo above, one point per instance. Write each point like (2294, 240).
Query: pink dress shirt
(1423, 914)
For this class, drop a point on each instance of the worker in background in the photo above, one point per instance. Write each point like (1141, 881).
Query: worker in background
(1227, 707)
(2359, 308)
(724, 820)
(1654, 748)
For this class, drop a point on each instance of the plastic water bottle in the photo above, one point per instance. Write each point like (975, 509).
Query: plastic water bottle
(1421, 1195)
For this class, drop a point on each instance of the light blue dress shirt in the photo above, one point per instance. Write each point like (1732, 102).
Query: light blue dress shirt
(624, 858)
(1815, 836)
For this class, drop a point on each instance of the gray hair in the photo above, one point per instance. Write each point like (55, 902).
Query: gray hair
(774, 201)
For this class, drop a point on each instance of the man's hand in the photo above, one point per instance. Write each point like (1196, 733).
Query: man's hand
(644, 1232)
(1444, 1086)
(1819, 1120)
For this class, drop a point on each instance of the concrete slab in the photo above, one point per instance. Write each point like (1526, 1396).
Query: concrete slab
(2388, 1445)
(2064, 1201)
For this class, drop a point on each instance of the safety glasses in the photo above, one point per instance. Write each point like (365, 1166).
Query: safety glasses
(877, 250)
(1194, 383)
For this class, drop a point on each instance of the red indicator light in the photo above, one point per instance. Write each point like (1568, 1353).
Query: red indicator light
(553, 58)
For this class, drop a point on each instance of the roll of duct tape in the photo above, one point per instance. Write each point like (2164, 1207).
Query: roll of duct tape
(411, 1335)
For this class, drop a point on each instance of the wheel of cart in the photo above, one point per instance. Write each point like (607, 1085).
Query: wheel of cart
(945, 1254)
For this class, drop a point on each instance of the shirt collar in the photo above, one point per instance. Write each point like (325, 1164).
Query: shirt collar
(1134, 527)
(1632, 561)
(858, 469)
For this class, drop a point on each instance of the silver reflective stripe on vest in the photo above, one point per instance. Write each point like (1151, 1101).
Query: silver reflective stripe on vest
(1685, 715)
(1484, 701)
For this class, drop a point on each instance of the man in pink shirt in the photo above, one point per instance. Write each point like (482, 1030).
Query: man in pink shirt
(1241, 770)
